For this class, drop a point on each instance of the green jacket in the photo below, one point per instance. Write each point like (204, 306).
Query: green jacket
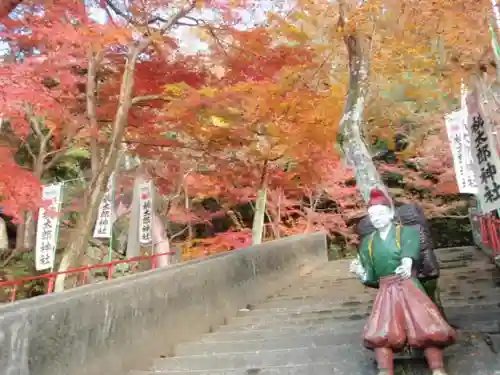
(381, 257)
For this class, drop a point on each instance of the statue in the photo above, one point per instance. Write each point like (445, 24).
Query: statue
(402, 313)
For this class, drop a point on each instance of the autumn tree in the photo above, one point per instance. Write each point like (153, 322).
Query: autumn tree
(260, 114)
(405, 68)
(405, 61)
(111, 57)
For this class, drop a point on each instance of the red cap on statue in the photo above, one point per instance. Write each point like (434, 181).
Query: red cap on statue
(378, 197)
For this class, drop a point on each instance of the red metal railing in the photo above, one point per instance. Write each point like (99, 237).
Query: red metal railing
(13, 286)
(490, 230)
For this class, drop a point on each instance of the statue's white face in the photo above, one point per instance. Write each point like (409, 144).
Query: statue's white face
(381, 216)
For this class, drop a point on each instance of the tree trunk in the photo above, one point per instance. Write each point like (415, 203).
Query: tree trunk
(26, 231)
(78, 243)
(20, 230)
(187, 207)
(29, 230)
(260, 208)
(355, 150)
(4, 239)
(259, 215)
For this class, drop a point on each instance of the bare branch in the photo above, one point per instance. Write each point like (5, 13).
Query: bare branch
(35, 125)
(194, 20)
(117, 10)
(144, 98)
(61, 151)
(94, 60)
(450, 217)
(181, 14)
(178, 234)
(168, 22)
(30, 151)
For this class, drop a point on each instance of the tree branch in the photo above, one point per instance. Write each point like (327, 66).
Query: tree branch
(91, 95)
(144, 98)
(30, 151)
(168, 22)
(61, 151)
(450, 217)
(42, 139)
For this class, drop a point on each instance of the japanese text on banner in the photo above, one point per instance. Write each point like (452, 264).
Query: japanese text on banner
(145, 212)
(104, 223)
(486, 159)
(458, 135)
(48, 227)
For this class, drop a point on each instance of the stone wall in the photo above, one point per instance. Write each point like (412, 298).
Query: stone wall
(119, 325)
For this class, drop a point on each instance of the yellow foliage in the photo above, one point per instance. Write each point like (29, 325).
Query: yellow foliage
(175, 90)
(419, 52)
(208, 91)
(219, 122)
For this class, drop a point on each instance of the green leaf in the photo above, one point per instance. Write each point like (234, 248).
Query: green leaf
(78, 153)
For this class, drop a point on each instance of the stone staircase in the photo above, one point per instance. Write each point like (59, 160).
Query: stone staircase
(314, 327)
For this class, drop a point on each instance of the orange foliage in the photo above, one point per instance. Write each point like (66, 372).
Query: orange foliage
(259, 104)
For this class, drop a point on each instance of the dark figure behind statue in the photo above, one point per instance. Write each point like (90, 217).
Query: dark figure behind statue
(402, 314)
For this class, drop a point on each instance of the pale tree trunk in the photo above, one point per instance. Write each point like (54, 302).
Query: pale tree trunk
(260, 208)
(259, 215)
(76, 248)
(356, 152)
(187, 207)
(29, 231)
(4, 239)
(277, 218)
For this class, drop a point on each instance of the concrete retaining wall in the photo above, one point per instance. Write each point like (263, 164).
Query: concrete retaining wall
(116, 326)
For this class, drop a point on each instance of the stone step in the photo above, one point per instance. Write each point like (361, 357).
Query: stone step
(449, 299)
(352, 327)
(446, 283)
(362, 309)
(275, 332)
(465, 366)
(341, 284)
(262, 359)
(346, 279)
(356, 306)
(280, 342)
(348, 356)
(461, 316)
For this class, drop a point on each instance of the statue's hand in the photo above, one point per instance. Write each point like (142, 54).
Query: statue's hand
(404, 270)
(357, 268)
(354, 265)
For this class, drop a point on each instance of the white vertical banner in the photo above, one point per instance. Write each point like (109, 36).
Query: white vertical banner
(145, 190)
(105, 217)
(48, 227)
(486, 158)
(133, 247)
(458, 136)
